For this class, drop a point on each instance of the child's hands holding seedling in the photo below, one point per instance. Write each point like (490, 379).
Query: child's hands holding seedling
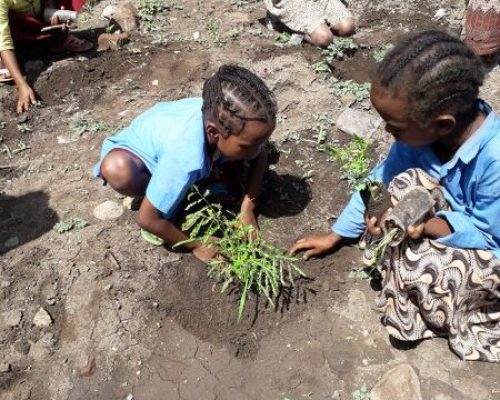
(248, 218)
(205, 254)
(372, 224)
(315, 244)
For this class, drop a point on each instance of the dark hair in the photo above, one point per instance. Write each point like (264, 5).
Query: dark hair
(234, 95)
(438, 73)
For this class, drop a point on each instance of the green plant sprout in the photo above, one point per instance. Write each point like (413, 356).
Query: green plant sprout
(73, 223)
(355, 161)
(85, 124)
(361, 394)
(360, 90)
(381, 51)
(252, 264)
(339, 49)
(213, 28)
(283, 37)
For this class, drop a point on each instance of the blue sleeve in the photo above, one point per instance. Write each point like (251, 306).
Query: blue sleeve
(350, 223)
(169, 185)
(480, 228)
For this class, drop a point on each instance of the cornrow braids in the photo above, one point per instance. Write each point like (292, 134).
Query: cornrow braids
(438, 73)
(234, 95)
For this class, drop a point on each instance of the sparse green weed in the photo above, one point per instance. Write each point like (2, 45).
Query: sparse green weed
(354, 159)
(361, 394)
(360, 90)
(283, 37)
(84, 124)
(252, 264)
(259, 32)
(339, 49)
(381, 51)
(213, 28)
(321, 66)
(234, 33)
(73, 223)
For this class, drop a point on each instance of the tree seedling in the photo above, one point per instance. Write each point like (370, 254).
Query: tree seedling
(251, 264)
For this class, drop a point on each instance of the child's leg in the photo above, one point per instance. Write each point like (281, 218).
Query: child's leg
(322, 36)
(125, 173)
(344, 27)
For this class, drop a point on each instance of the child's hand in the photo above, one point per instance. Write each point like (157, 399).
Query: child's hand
(54, 20)
(433, 228)
(248, 219)
(316, 244)
(372, 224)
(205, 254)
(25, 99)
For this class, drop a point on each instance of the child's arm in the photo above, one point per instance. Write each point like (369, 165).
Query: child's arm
(26, 96)
(258, 168)
(150, 219)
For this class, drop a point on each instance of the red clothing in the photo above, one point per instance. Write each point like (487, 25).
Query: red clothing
(26, 28)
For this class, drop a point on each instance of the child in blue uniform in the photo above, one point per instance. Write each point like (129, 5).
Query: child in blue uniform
(444, 278)
(176, 144)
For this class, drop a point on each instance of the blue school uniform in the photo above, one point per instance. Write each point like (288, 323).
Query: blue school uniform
(471, 183)
(170, 139)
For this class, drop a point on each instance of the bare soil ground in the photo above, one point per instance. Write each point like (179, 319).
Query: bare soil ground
(155, 325)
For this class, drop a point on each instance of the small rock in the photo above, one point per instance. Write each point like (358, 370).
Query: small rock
(5, 284)
(360, 123)
(108, 210)
(125, 15)
(108, 12)
(129, 397)
(12, 242)
(400, 383)
(196, 35)
(155, 82)
(42, 319)
(440, 14)
(5, 367)
(112, 41)
(12, 318)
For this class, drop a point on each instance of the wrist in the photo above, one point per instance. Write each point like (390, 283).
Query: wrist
(333, 238)
(248, 204)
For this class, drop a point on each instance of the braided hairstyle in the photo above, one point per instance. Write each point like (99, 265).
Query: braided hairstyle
(438, 73)
(234, 95)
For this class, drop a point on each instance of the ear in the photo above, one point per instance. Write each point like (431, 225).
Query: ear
(212, 131)
(445, 124)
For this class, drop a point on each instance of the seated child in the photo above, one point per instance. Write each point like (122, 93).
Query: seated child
(444, 278)
(175, 144)
(21, 22)
(318, 20)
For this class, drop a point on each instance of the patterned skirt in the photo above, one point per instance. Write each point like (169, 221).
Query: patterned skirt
(432, 290)
(483, 26)
(306, 15)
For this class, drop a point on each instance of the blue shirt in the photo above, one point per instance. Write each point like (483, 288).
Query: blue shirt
(170, 139)
(471, 183)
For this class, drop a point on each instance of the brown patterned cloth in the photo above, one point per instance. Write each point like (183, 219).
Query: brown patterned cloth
(483, 26)
(432, 290)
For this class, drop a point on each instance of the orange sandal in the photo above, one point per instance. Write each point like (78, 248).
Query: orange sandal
(5, 75)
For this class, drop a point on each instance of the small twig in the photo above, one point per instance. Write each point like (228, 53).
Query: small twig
(114, 260)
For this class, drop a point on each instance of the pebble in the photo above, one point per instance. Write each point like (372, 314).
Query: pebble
(42, 319)
(5, 367)
(196, 35)
(108, 210)
(129, 397)
(5, 284)
(12, 318)
(400, 383)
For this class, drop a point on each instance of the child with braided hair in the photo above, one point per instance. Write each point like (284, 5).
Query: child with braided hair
(444, 277)
(175, 144)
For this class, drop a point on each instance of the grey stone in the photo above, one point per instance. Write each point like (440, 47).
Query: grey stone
(400, 383)
(360, 123)
(5, 284)
(5, 367)
(108, 210)
(42, 319)
(12, 318)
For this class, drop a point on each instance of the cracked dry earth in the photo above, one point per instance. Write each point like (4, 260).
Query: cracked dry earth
(150, 322)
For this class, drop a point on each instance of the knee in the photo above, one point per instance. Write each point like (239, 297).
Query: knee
(346, 27)
(321, 36)
(115, 169)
